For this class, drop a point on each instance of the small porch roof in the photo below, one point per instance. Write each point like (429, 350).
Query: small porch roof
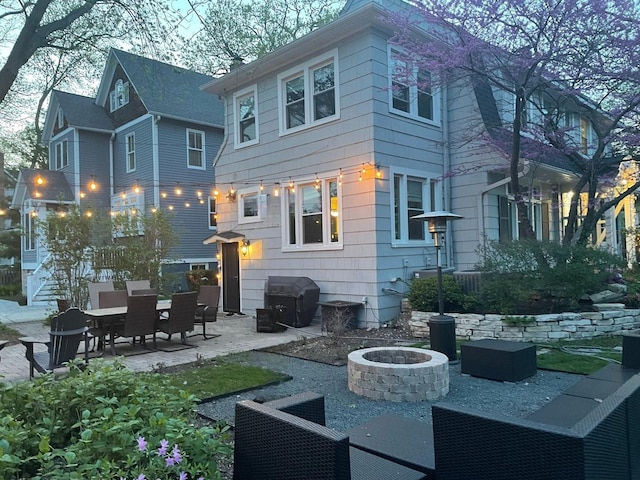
(224, 237)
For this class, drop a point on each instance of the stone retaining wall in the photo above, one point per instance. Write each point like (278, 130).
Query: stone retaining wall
(555, 326)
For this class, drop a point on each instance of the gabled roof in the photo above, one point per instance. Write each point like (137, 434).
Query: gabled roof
(53, 188)
(79, 112)
(164, 89)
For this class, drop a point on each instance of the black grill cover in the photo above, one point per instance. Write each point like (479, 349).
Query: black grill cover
(299, 295)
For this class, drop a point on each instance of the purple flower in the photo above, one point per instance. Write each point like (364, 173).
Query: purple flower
(183, 475)
(141, 477)
(176, 454)
(170, 461)
(164, 444)
(142, 445)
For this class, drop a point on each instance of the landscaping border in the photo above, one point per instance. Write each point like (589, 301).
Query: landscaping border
(534, 328)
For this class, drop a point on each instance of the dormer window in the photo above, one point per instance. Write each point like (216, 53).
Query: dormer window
(59, 119)
(119, 96)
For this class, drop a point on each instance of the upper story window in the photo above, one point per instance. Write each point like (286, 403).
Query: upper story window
(411, 91)
(119, 96)
(61, 154)
(213, 217)
(245, 118)
(412, 195)
(309, 94)
(131, 152)
(59, 118)
(252, 206)
(312, 215)
(195, 149)
(581, 134)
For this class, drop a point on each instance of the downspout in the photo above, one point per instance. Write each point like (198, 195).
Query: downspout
(156, 160)
(446, 181)
(112, 187)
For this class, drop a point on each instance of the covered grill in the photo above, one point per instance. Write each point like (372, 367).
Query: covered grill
(299, 295)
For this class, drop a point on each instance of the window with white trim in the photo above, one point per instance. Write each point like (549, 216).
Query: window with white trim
(312, 215)
(61, 154)
(29, 235)
(212, 215)
(246, 118)
(411, 92)
(195, 149)
(131, 152)
(412, 195)
(309, 94)
(119, 96)
(198, 266)
(252, 206)
(59, 118)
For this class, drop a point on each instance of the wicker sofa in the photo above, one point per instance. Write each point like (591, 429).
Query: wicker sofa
(272, 444)
(572, 438)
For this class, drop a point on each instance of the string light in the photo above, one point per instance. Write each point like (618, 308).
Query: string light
(340, 177)
(39, 180)
(178, 190)
(163, 194)
(92, 184)
(317, 182)
(261, 186)
(378, 171)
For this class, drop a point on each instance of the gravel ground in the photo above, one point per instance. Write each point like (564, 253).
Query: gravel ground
(345, 409)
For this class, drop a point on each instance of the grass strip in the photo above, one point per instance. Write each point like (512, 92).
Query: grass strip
(215, 378)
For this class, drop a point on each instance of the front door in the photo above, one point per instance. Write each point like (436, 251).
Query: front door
(230, 278)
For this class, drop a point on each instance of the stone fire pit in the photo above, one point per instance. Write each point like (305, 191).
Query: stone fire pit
(398, 374)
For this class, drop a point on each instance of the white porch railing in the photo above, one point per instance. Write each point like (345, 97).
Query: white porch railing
(36, 281)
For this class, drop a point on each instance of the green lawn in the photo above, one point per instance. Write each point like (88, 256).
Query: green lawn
(215, 378)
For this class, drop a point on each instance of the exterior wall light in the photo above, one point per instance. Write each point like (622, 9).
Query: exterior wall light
(244, 249)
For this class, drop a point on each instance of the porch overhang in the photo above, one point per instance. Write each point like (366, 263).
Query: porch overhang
(224, 237)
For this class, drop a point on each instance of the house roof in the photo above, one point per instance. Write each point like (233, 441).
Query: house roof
(53, 187)
(165, 89)
(364, 15)
(82, 112)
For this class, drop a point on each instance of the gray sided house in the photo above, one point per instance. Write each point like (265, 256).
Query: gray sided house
(146, 141)
(329, 155)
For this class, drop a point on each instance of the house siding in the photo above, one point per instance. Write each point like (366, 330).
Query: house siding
(191, 223)
(366, 133)
(94, 165)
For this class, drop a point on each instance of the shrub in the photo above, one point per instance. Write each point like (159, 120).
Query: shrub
(530, 276)
(85, 425)
(423, 294)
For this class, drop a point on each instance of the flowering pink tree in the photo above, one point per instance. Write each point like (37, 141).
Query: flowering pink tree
(550, 56)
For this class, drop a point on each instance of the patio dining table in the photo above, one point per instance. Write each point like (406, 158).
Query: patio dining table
(109, 318)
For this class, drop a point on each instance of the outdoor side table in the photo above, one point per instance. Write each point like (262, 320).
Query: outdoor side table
(498, 359)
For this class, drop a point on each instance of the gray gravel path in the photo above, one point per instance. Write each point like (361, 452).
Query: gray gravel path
(345, 409)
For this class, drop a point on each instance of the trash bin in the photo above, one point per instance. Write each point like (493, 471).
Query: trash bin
(298, 294)
(442, 335)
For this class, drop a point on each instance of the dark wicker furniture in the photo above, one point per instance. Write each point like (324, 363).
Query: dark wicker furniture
(571, 438)
(270, 444)
(498, 359)
(181, 317)
(207, 308)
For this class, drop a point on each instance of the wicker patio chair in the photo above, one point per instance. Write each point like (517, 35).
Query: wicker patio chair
(270, 444)
(141, 319)
(68, 329)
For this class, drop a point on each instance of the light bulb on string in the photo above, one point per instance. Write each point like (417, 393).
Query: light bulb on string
(317, 182)
(178, 189)
(261, 186)
(340, 177)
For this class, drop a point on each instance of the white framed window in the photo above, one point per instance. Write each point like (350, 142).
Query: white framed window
(312, 215)
(410, 91)
(252, 206)
(119, 96)
(61, 154)
(212, 215)
(581, 135)
(308, 94)
(412, 194)
(28, 230)
(130, 155)
(129, 207)
(246, 116)
(195, 149)
(198, 266)
(59, 118)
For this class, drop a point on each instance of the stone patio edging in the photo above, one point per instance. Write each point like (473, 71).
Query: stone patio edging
(549, 327)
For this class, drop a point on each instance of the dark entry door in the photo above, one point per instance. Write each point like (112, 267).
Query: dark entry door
(230, 278)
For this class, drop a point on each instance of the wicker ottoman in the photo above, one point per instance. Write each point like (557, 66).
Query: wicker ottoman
(498, 359)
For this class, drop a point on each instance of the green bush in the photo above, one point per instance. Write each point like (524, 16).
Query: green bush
(86, 425)
(423, 294)
(541, 277)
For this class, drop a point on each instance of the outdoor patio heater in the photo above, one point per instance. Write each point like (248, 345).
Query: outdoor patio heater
(442, 328)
